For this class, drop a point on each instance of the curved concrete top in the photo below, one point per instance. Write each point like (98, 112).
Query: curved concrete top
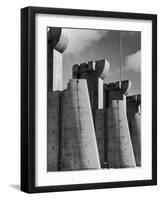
(59, 38)
(123, 86)
(101, 67)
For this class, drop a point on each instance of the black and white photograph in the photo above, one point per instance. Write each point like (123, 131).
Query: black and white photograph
(93, 99)
(88, 99)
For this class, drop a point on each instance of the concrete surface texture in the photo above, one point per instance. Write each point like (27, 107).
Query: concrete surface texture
(53, 131)
(79, 147)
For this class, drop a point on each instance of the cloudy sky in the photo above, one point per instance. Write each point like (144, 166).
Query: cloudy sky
(86, 45)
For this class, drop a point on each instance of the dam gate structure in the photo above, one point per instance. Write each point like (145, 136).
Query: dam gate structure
(92, 123)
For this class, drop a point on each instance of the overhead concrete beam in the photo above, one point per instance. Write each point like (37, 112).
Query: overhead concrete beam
(123, 86)
(100, 67)
(94, 72)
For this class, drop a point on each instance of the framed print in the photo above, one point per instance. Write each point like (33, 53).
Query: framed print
(88, 99)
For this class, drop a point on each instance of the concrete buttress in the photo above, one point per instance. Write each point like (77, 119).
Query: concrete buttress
(119, 147)
(79, 146)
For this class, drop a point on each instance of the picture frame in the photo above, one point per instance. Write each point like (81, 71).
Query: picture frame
(32, 18)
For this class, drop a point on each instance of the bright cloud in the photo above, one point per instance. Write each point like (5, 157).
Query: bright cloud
(80, 39)
(133, 62)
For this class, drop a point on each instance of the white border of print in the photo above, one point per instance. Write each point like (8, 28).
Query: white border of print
(91, 176)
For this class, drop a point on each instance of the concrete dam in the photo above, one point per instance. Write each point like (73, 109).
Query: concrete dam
(90, 124)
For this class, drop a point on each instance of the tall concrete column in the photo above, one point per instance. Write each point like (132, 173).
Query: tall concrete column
(57, 41)
(79, 146)
(119, 147)
(95, 72)
(134, 120)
